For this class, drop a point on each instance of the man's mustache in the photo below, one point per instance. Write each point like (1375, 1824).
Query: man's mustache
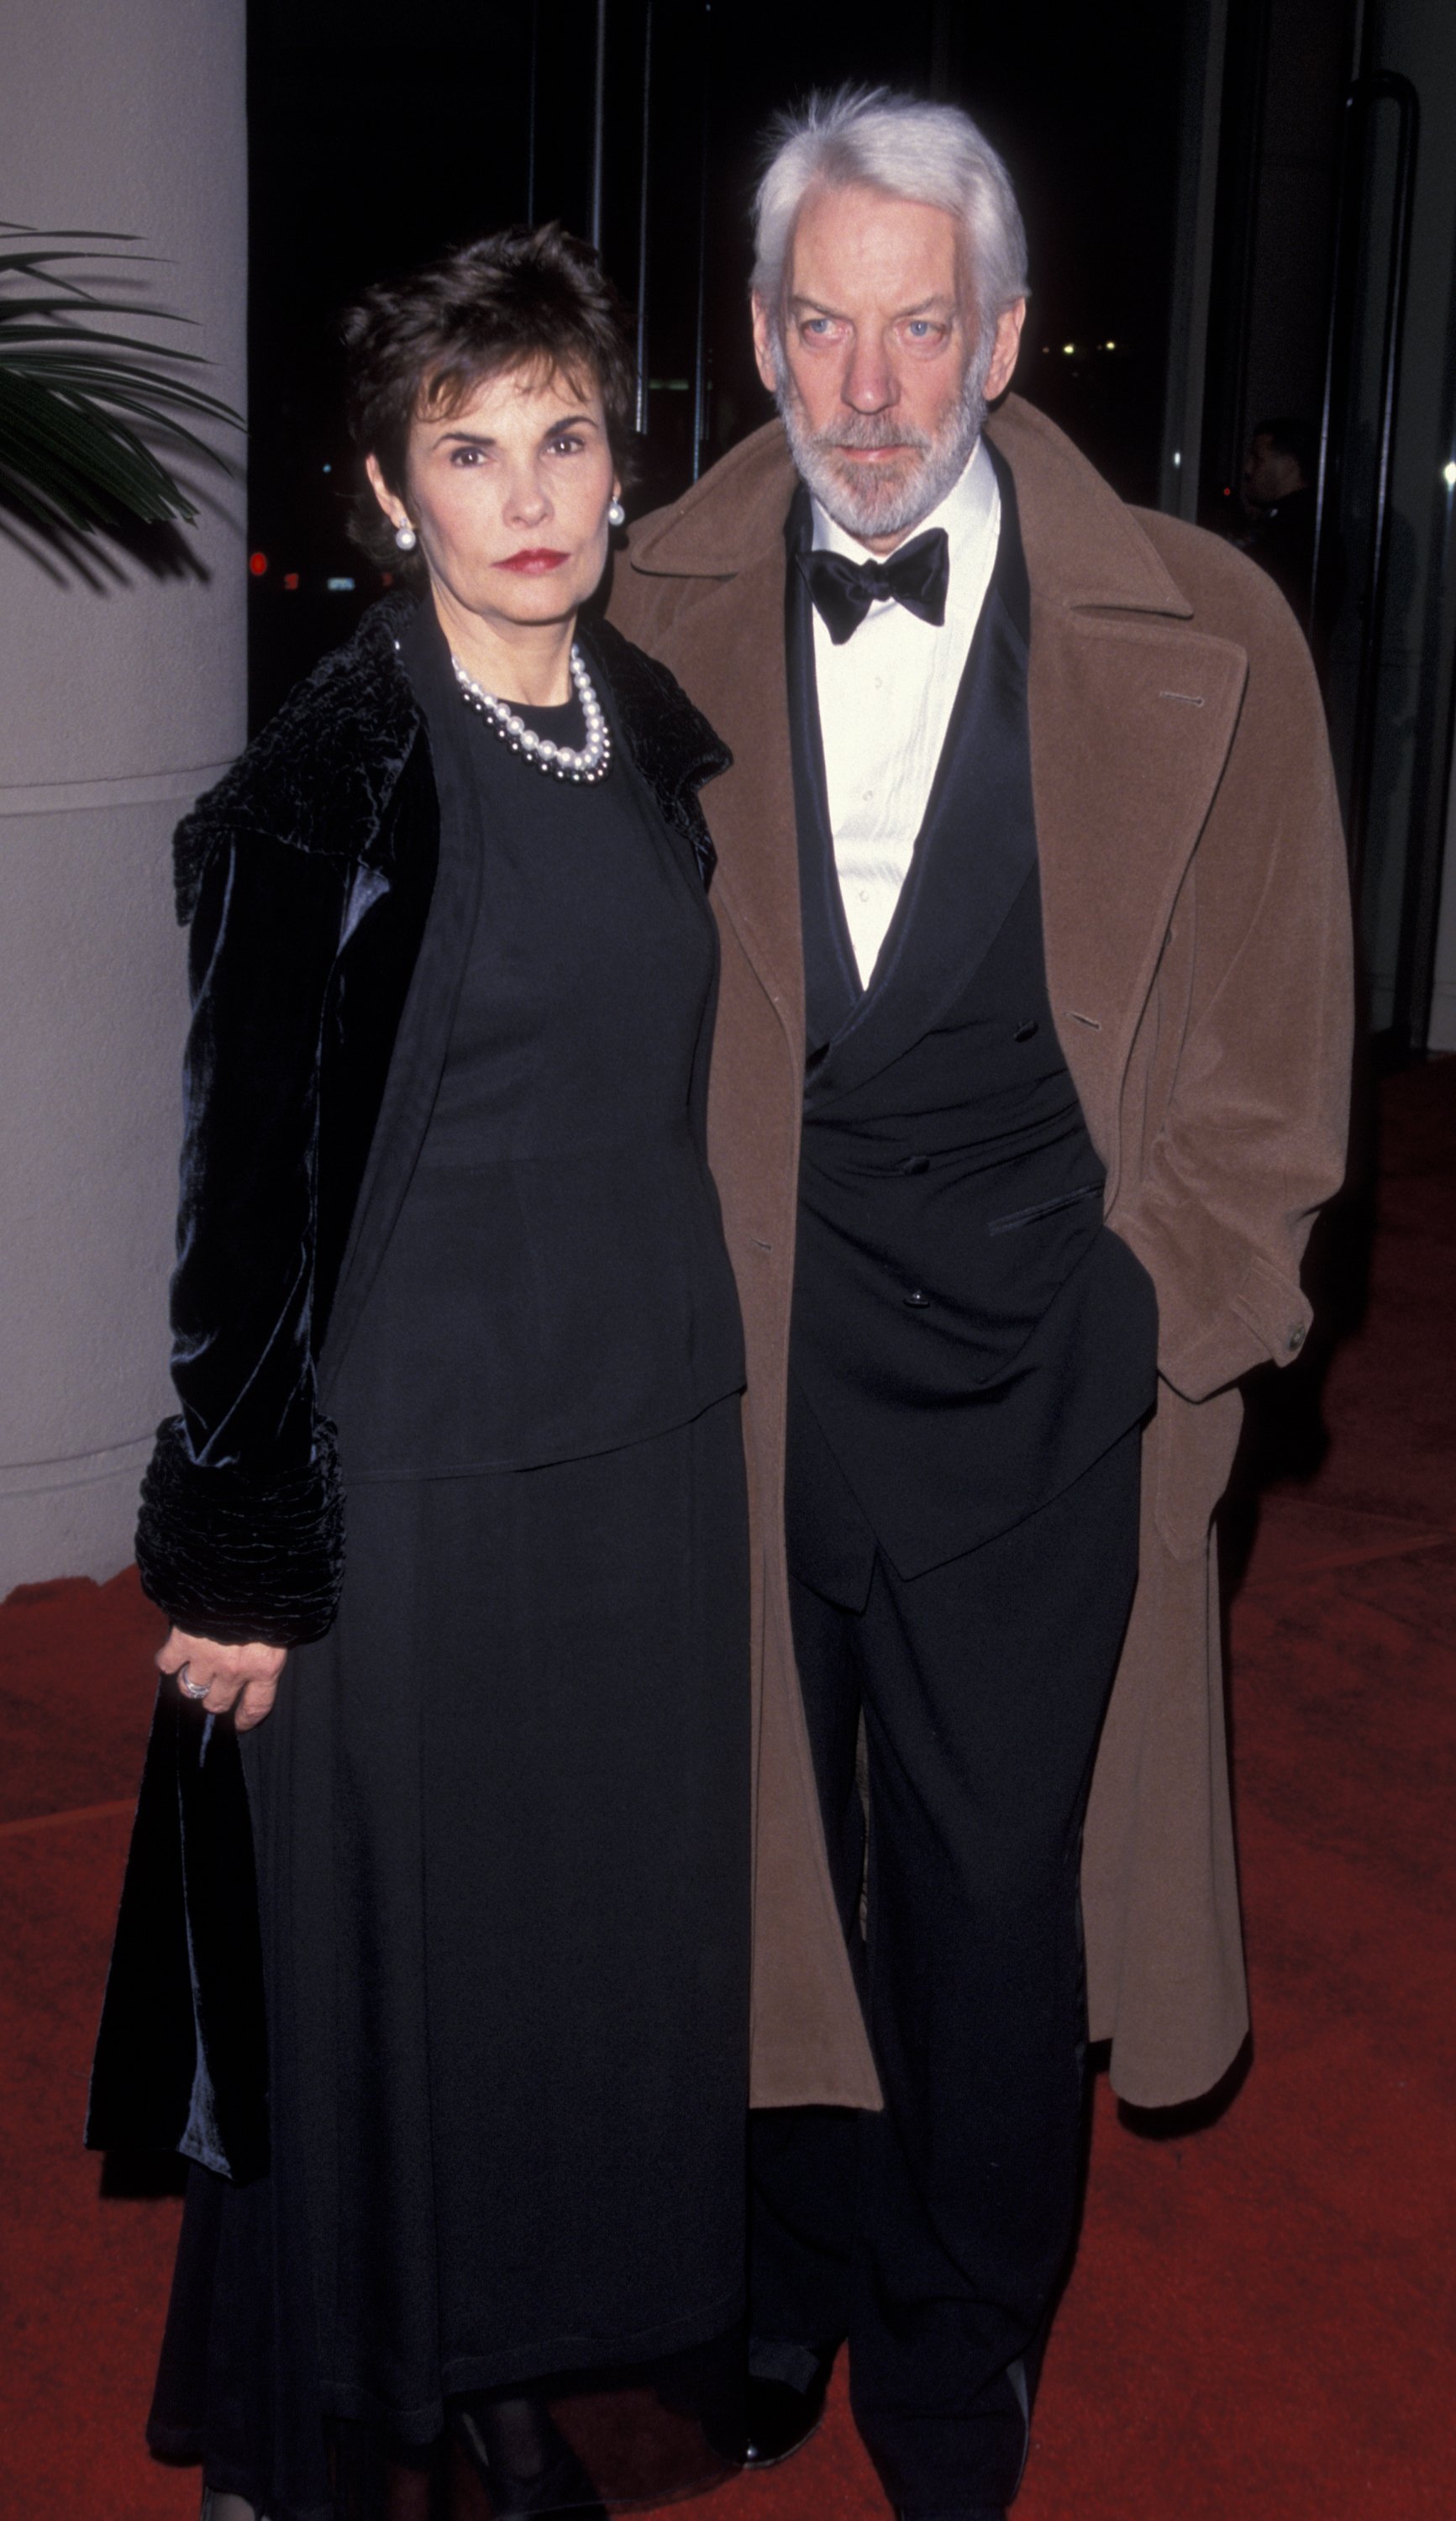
(866, 430)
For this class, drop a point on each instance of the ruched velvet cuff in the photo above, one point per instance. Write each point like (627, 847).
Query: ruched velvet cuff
(236, 1558)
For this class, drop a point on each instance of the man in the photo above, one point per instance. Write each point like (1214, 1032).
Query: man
(1030, 1075)
(1279, 475)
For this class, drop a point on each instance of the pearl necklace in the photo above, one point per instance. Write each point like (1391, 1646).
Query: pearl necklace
(557, 761)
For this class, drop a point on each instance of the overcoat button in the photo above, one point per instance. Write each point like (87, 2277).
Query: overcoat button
(916, 1296)
(1023, 1032)
(914, 1164)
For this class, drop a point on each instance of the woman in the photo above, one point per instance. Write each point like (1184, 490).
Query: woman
(451, 1524)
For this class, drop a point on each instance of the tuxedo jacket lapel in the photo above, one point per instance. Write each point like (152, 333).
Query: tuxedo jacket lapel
(833, 988)
(977, 844)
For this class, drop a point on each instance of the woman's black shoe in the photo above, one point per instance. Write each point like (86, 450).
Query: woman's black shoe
(526, 2466)
(779, 2420)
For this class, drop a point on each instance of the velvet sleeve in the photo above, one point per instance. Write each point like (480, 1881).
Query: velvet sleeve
(240, 1528)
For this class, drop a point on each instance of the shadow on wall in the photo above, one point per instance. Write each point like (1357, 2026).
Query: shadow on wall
(105, 560)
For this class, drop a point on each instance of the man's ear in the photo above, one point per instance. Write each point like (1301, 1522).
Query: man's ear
(1008, 347)
(765, 349)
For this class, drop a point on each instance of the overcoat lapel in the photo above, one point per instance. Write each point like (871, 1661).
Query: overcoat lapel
(732, 659)
(1131, 718)
(1130, 723)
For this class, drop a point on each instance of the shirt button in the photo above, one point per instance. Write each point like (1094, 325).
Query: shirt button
(1296, 1340)
(1025, 1031)
(915, 1296)
(868, 793)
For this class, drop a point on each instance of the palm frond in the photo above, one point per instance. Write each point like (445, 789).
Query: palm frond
(86, 413)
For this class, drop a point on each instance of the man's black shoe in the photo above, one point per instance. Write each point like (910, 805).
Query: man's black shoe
(778, 2421)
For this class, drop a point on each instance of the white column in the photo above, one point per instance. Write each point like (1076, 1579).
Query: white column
(115, 710)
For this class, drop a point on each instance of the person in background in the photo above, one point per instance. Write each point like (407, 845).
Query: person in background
(433, 1951)
(1280, 471)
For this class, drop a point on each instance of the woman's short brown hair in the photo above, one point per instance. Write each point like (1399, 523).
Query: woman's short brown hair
(535, 298)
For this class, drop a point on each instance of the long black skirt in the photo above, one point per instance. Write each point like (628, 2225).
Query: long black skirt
(501, 1827)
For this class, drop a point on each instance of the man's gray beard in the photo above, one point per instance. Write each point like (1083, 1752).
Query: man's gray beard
(891, 499)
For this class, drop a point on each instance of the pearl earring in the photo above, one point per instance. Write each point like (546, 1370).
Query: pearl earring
(405, 535)
(616, 514)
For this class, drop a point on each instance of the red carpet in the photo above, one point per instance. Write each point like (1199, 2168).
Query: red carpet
(1261, 2316)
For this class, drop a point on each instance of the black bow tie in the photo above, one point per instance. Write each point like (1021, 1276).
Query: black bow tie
(916, 575)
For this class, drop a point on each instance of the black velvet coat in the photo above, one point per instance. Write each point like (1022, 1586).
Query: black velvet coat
(305, 878)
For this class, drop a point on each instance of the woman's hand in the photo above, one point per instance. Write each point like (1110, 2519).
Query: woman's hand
(242, 1677)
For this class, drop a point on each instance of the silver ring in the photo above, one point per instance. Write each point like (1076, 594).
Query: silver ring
(191, 1688)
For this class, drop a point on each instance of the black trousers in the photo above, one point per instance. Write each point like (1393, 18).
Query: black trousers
(934, 2235)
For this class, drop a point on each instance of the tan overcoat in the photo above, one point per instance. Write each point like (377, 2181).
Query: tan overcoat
(1198, 959)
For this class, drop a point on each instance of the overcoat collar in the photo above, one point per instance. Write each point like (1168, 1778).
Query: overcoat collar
(1132, 712)
(1085, 546)
(322, 773)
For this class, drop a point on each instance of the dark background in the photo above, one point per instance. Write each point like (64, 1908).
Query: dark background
(370, 156)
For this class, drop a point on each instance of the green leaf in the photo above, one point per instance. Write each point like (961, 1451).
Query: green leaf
(79, 402)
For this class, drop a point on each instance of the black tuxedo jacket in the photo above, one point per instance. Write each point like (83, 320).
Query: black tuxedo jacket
(967, 1334)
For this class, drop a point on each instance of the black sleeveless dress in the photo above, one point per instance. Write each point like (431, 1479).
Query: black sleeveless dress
(502, 1811)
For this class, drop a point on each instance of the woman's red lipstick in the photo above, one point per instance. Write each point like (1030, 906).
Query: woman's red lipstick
(533, 564)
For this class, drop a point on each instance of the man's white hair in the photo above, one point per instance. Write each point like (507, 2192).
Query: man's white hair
(919, 153)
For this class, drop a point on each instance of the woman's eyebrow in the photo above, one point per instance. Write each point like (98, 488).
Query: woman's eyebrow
(481, 437)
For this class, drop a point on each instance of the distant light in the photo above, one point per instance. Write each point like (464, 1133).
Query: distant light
(1177, 461)
(327, 467)
(1449, 475)
(1068, 349)
(339, 585)
(1110, 346)
(257, 563)
(1227, 492)
(290, 580)
(386, 578)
